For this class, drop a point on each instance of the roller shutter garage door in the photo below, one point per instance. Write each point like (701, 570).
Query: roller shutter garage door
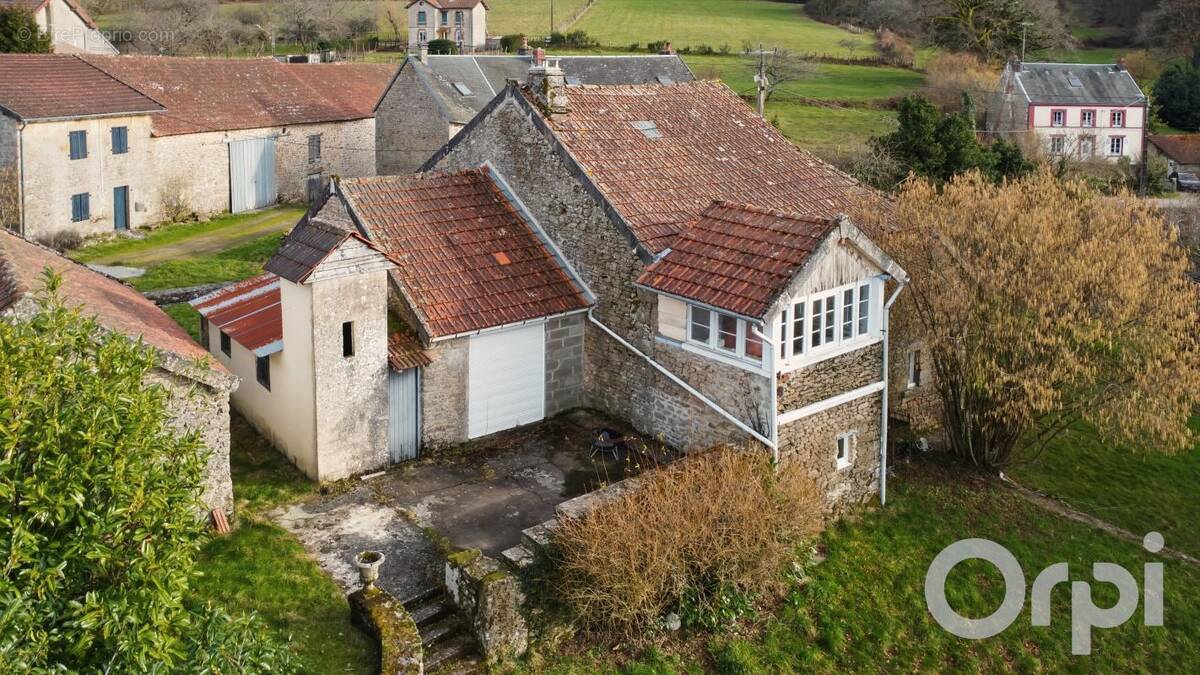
(506, 380)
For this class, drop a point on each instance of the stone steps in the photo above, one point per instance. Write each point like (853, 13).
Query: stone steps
(519, 556)
(447, 643)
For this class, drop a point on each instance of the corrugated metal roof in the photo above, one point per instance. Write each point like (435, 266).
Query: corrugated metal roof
(248, 311)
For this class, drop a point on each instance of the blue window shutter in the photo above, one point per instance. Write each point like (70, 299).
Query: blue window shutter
(80, 207)
(120, 140)
(78, 144)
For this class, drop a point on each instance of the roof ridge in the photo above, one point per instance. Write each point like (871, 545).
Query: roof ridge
(790, 215)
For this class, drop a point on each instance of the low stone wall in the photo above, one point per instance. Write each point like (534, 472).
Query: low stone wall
(491, 600)
(377, 612)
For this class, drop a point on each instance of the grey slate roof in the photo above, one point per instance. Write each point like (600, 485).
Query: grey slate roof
(1078, 84)
(311, 241)
(485, 76)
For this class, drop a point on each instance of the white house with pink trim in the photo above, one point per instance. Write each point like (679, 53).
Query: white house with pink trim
(1078, 111)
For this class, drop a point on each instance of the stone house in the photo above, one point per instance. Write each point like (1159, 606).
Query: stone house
(463, 21)
(199, 387)
(68, 23)
(432, 97)
(1071, 110)
(407, 312)
(1182, 151)
(132, 139)
(733, 300)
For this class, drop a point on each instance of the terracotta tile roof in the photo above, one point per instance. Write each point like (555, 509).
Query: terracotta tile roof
(404, 352)
(1184, 149)
(203, 94)
(248, 311)
(32, 6)
(465, 257)
(46, 86)
(450, 4)
(709, 145)
(115, 306)
(308, 245)
(737, 257)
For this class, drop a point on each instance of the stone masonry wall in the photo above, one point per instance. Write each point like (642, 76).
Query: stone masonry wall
(444, 394)
(616, 380)
(819, 381)
(812, 441)
(409, 126)
(564, 363)
(206, 410)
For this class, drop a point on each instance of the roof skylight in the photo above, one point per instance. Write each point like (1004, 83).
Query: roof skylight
(648, 129)
(462, 88)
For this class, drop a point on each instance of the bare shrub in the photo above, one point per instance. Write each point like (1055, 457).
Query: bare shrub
(62, 240)
(10, 198)
(891, 44)
(172, 200)
(720, 523)
(951, 74)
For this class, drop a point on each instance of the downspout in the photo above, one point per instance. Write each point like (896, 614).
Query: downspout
(689, 388)
(883, 415)
(21, 176)
(774, 377)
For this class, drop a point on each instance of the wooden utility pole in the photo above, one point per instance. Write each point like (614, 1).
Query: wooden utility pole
(761, 80)
(552, 17)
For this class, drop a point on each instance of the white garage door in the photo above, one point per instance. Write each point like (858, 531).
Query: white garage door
(506, 379)
(252, 174)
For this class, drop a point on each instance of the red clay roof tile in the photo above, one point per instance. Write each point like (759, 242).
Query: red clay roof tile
(444, 232)
(47, 86)
(404, 352)
(737, 257)
(1184, 149)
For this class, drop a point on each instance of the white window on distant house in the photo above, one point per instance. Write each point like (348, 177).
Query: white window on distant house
(314, 148)
(78, 144)
(1058, 118)
(914, 368)
(845, 449)
(724, 333)
(1058, 145)
(458, 16)
(1118, 118)
(421, 36)
(421, 22)
(1087, 118)
(1087, 146)
(1116, 145)
(81, 207)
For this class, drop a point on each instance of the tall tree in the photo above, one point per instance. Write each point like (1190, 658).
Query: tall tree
(1177, 96)
(1042, 303)
(99, 499)
(20, 33)
(1174, 26)
(995, 29)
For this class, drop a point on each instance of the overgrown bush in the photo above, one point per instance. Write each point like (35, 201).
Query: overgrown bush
(949, 75)
(891, 44)
(1177, 96)
(62, 240)
(512, 43)
(703, 537)
(576, 39)
(442, 46)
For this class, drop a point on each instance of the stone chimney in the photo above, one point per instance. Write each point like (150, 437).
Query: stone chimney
(667, 49)
(548, 81)
(1121, 64)
(524, 48)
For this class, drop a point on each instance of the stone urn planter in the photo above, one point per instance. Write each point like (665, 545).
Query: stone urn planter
(368, 563)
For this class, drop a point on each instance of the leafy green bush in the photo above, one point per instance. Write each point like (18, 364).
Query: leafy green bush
(576, 39)
(511, 43)
(1177, 96)
(99, 503)
(442, 46)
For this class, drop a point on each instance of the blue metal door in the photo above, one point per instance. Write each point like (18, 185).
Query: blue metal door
(121, 208)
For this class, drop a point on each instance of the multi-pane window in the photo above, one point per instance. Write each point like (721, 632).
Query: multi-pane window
(864, 308)
(798, 315)
(724, 333)
(1088, 118)
(1058, 118)
(812, 325)
(78, 143)
(314, 148)
(1118, 118)
(783, 334)
(445, 16)
(81, 207)
(823, 315)
(420, 18)
(120, 140)
(1116, 145)
(1058, 145)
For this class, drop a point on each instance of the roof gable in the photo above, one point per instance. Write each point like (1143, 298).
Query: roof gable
(466, 258)
(316, 242)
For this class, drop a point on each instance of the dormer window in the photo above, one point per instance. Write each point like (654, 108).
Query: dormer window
(724, 333)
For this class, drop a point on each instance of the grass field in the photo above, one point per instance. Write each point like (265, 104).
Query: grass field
(826, 81)
(736, 23)
(829, 132)
(864, 609)
(1139, 492)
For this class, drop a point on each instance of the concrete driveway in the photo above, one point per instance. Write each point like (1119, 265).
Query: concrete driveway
(480, 495)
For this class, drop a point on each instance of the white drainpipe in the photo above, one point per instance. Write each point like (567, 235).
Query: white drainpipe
(690, 389)
(774, 414)
(883, 421)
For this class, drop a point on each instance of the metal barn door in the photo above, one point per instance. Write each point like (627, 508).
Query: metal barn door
(252, 174)
(404, 416)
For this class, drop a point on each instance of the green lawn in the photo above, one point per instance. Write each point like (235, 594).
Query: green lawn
(233, 264)
(864, 610)
(828, 81)
(829, 131)
(1138, 492)
(735, 23)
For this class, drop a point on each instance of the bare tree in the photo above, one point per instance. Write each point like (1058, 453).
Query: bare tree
(781, 68)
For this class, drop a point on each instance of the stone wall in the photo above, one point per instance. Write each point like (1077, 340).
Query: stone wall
(444, 394)
(409, 126)
(616, 380)
(491, 600)
(812, 441)
(564, 363)
(384, 617)
(823, 379)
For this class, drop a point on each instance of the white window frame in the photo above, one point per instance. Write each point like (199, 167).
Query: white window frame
(1058, 145)
(710, 346)
(1058, 118)
(845, 441)
(1117, 119)
(1119, 140)
(809, 352)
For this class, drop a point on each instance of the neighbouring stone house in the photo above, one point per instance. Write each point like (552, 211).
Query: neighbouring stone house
(733, 300)
(462, 21)
(97, 144)
(1072, 110)
(1182, 151)
(68, 23)
(199, 387)
(480, 328)
(432, 97)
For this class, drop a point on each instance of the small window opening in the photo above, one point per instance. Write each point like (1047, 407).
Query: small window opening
(348, 338)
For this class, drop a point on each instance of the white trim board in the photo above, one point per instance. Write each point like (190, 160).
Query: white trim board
(832, 402)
